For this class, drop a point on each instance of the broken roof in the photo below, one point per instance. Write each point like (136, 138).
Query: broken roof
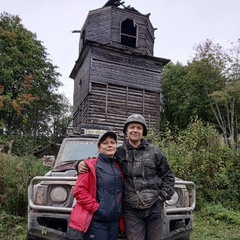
(118, 3)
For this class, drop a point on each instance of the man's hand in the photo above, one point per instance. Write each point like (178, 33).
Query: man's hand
(82, 167)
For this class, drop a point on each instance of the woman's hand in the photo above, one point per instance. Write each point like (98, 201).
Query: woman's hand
(82, 167)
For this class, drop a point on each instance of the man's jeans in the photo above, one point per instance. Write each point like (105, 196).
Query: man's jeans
(144, 224)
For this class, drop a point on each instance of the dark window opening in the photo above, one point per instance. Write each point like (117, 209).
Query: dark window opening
(128, 33)
(128, 41)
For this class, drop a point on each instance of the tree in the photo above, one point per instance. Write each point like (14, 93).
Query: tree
(209, 87)
(29, 82)
(202, 78)
(62, 120)
(173, 95)
(225, 103)
(186, 89)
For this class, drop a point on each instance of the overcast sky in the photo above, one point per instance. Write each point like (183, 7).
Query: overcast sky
(180, 24)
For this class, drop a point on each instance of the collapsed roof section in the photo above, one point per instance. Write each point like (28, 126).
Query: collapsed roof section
(119, 3)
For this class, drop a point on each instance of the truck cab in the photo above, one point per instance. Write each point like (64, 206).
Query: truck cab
(50, 197)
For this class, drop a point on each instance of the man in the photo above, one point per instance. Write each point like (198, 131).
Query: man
(148, 182)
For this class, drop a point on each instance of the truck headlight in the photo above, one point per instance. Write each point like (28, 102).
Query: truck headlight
(58, 194)
(173, 200)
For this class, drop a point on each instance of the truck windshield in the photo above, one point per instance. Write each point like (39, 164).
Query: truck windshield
(75, 149)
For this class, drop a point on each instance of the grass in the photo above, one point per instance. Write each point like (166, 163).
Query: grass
(212, 229)
(12, 227)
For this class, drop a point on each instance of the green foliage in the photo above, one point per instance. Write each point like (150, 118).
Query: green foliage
(217, 212)
(15, 176)
(61, 120)
(209, 86)
(12, 227)
(173, 94)
(215, 222)
(21, 145)
(186, 90)
(29, 102)
(196, 154)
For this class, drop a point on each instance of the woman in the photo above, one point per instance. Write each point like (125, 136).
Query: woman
(98, 194)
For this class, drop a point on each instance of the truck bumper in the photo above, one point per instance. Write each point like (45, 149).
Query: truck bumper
(47, 226)
(177, 226)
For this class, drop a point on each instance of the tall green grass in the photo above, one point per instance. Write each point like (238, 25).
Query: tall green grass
(214, 222)
(15, 176)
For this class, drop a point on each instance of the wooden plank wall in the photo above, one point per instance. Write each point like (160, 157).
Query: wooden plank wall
(99, 26)
(125, 69)
(110, 105)
(81, 83)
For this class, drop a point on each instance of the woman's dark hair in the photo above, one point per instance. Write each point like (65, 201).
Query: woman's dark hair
(103, 136)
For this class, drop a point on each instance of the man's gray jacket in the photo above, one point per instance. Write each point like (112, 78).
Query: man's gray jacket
(147, 175)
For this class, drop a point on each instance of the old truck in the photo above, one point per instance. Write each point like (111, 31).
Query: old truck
(51, 200)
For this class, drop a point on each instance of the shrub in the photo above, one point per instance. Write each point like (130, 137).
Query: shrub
(196, 154)
(217, 212)
(12, 227)
(21, 145)
(15, 176)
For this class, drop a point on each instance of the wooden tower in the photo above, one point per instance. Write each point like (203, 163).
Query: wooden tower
(116, 73)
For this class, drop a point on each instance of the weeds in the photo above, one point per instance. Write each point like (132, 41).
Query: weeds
(12, 227)
(15, 175)
(209, 226)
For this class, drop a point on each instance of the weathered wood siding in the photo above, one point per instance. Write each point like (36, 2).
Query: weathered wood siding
(109, 66)
(81, 82)
(110, 105)
(115, 84)
(104, 26)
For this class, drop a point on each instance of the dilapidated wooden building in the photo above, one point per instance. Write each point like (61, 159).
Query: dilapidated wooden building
(116, 73)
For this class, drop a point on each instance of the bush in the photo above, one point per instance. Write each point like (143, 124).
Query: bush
(214, 222)
(196, 154)
(12, 227)
(15, 176)
(21, 145)
(218, 213)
